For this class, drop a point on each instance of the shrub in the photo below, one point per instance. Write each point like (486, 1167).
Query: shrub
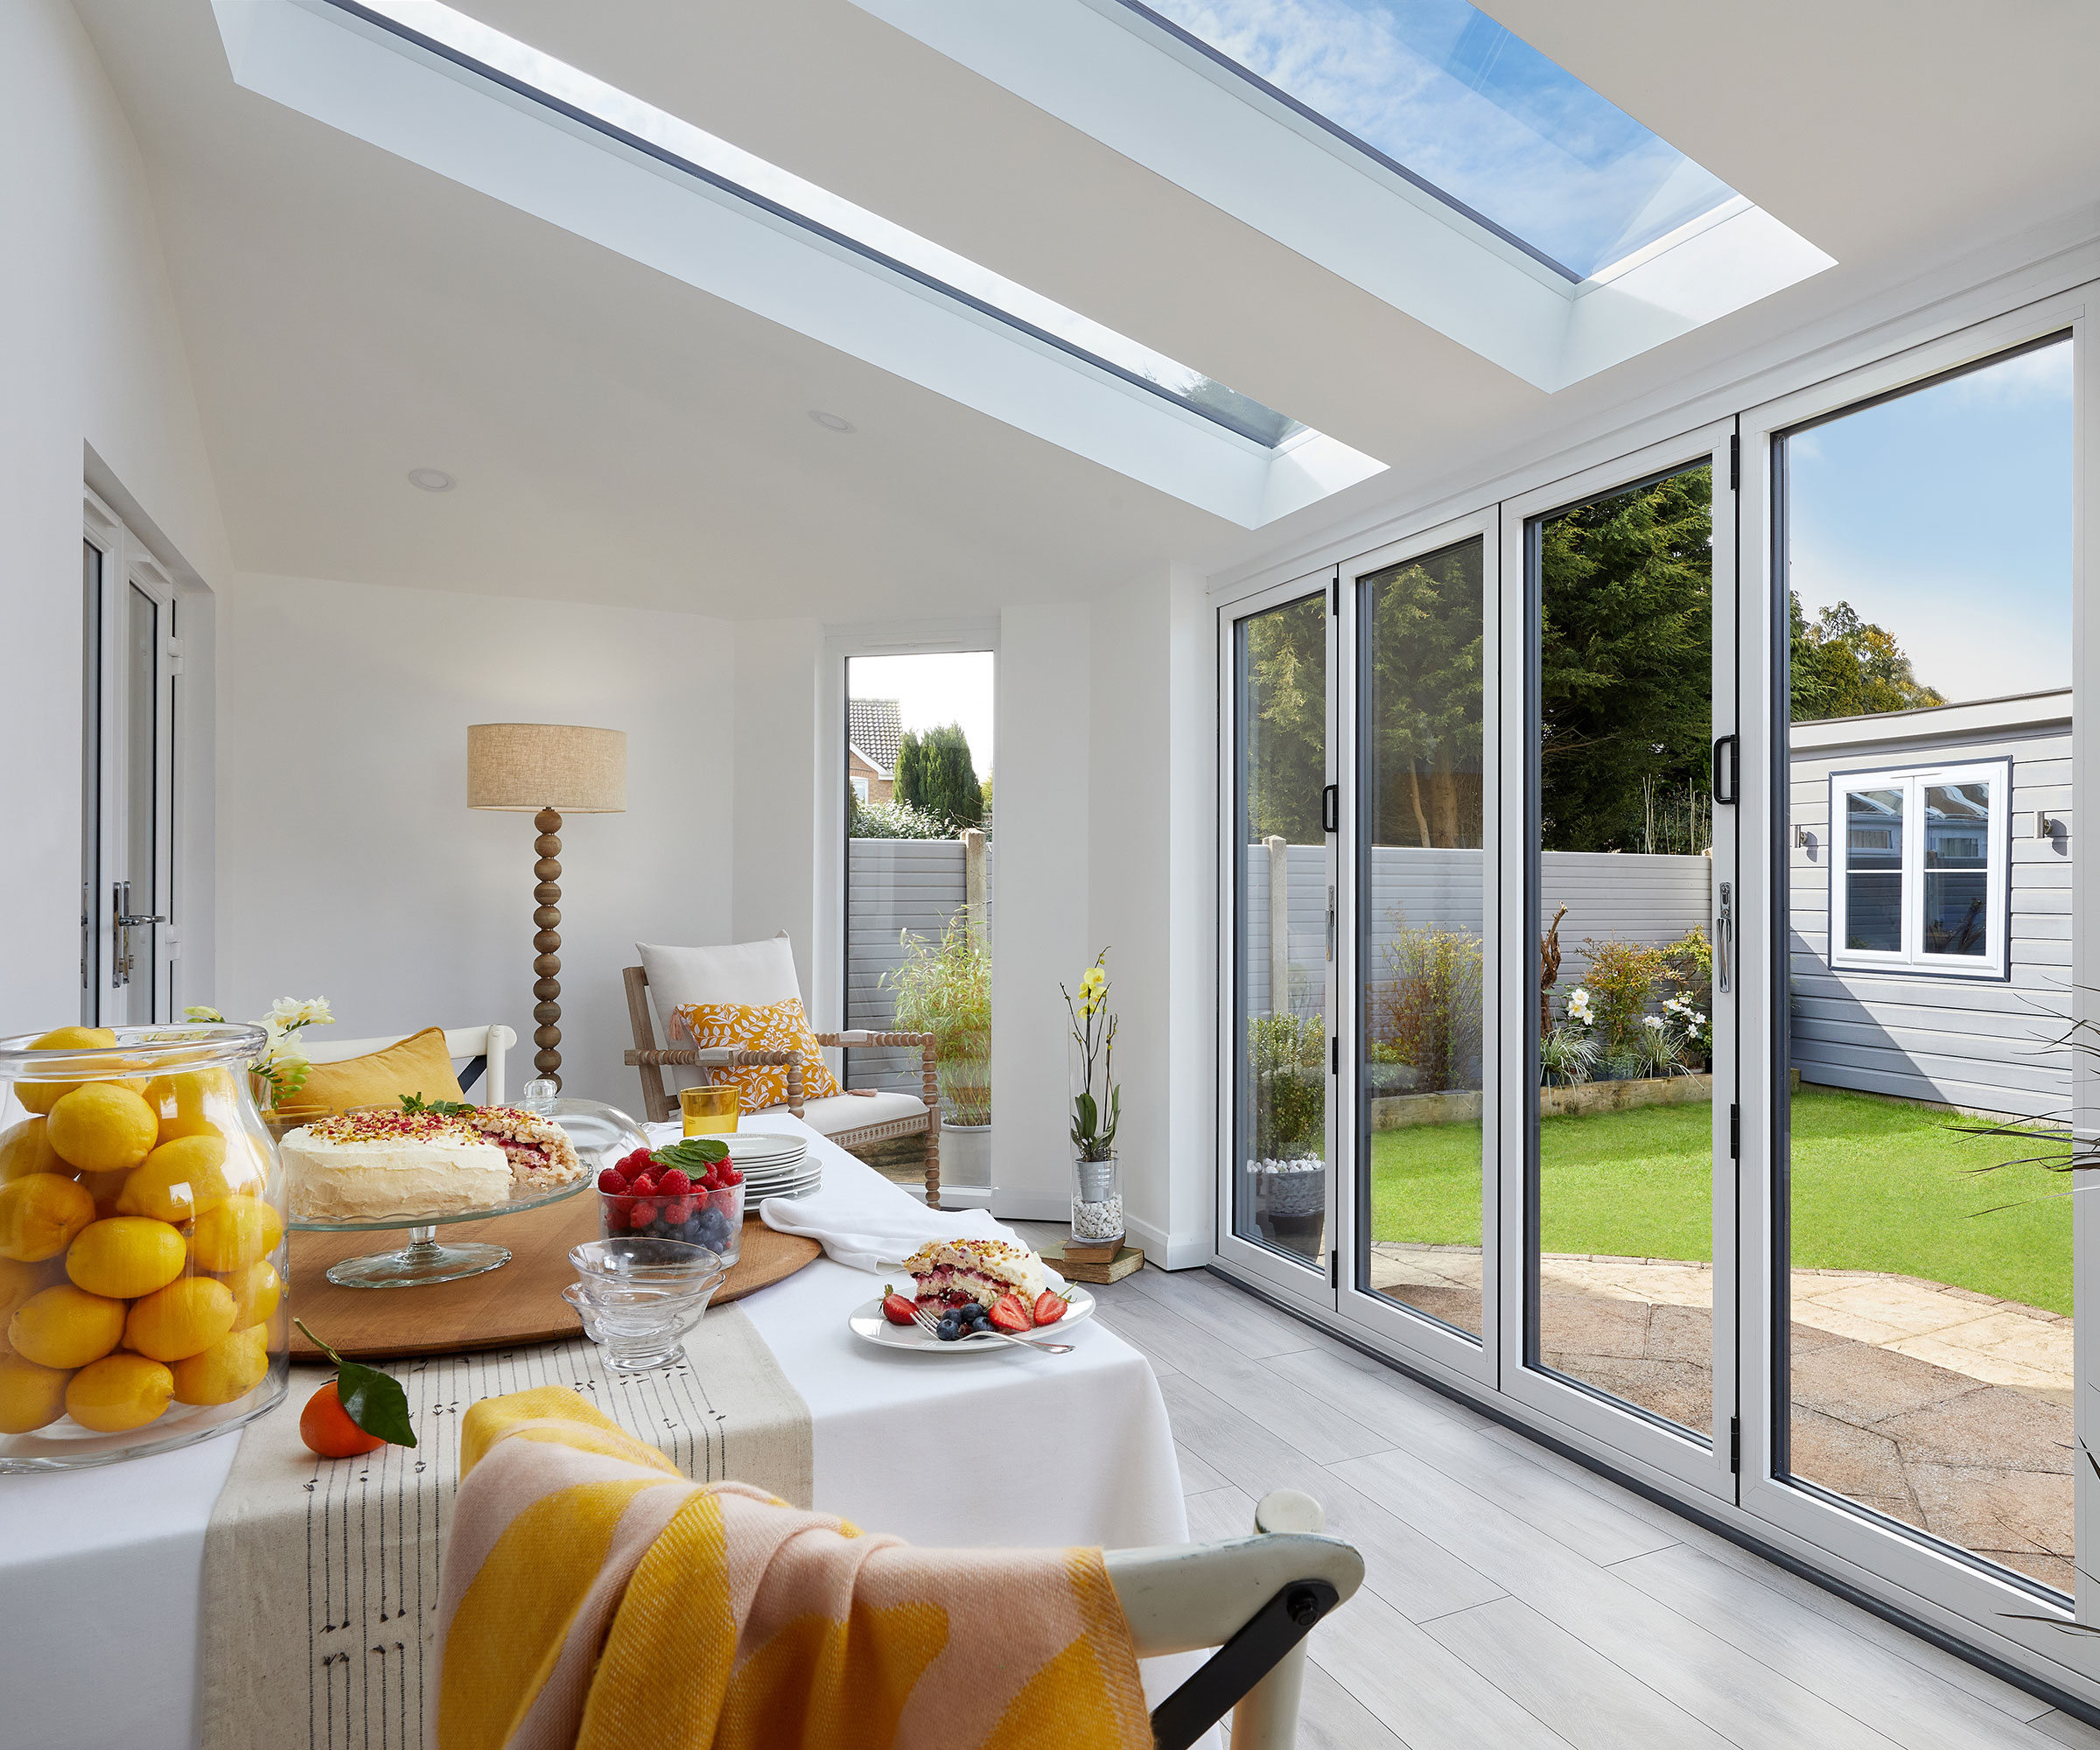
(1566, 1053)
(1688, 963)
(1287, 1054)
(893, 820)
(1621, 982)
(944, 989)
(1426, 1012)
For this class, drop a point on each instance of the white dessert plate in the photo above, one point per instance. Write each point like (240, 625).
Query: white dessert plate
(867, 1323)
(751, 1147)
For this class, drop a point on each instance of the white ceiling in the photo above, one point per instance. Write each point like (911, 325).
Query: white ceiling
(621, 437)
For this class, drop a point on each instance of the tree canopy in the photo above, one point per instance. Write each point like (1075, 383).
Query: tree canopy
(1425, 708)
(1842, 666)
(935, 773)
(1283, 668)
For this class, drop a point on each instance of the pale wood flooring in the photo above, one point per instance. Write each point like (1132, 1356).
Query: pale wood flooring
(1512, 1597)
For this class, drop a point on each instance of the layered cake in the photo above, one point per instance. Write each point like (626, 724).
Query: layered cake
(367, 1166)
(539, 1151)
(954, 1272)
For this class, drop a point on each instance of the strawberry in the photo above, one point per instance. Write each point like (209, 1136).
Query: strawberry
(897, 1308)
(610, 1181)
(1008, 1314)
(1049, 1307)
(674, 1183)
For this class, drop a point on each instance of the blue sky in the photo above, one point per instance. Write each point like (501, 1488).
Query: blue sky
(1439, 86)
(1945, 515)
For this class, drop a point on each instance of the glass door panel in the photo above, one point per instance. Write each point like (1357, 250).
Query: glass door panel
(1421, 897)
(137, 965)
(1282, 926)
(1628, 655)
(1922, 1225)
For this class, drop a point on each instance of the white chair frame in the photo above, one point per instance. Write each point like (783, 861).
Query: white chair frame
(1188, 1596)
(489, 1043)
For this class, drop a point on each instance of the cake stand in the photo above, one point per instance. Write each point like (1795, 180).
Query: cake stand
(601, 1133)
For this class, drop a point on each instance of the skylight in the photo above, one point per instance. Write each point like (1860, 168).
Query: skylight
(526, 70)
(1437, 91)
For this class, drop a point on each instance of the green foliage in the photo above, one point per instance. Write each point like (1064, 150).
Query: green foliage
(1283, 669)
(1621, 983)
(1287, 1055)
(1567, 1054)
(892, 820)
(1842, 666)
(934, 773)
(944, 989)
(1426, 1010)
(1425, 704)
(1625, 590)
(1096, 1101)
(1688, 964)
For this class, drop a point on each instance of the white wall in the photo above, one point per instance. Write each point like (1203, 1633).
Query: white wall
(771, 733)
(91, 357)
(350, 865)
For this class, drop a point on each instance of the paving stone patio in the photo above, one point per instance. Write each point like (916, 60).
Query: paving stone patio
(1938, 1406)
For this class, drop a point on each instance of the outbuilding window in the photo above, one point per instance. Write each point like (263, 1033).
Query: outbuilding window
(1918, 866)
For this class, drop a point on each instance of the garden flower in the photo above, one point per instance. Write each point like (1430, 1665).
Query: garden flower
(1579, 1006)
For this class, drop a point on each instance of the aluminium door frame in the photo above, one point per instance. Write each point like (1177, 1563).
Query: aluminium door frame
(1701, 1459)
(1273, 1268)
(1419, 1336)
(1940, 1583)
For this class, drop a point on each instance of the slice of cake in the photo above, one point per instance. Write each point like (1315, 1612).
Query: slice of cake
(953, 1272)
(367, 1166)
(539, 1151)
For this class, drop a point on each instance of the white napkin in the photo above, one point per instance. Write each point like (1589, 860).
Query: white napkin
(866, 1225)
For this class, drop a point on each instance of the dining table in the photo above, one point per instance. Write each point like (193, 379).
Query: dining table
(120, 1634)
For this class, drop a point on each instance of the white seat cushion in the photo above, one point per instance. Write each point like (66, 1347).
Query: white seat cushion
(851, 1111)
(755, 972)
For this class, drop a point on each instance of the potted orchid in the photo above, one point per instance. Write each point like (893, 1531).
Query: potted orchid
(1096, 1109)
(282, 1069)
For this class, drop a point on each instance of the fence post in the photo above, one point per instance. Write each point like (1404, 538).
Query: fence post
(1279, 923)
(973, 876)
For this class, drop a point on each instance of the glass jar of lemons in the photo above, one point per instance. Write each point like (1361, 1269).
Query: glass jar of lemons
(142, 1265)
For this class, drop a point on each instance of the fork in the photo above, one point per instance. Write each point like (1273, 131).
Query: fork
(925, 1321)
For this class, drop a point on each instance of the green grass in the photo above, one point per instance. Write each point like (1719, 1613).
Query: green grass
(1878, 1184)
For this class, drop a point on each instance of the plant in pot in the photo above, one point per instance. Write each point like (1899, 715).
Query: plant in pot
(1287, 1053)
(944, 987)
(1096, 1110)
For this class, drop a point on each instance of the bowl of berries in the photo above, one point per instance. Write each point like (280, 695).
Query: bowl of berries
(690, 1190)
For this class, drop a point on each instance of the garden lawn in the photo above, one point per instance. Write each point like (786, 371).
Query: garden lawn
(1878, 1184)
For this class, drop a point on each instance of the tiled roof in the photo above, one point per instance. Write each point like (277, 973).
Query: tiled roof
(874, 727)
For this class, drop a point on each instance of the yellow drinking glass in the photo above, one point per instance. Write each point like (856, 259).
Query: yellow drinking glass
(708, 1111)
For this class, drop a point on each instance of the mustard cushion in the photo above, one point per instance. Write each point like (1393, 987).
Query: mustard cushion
(762, 1026)
(418, 1065)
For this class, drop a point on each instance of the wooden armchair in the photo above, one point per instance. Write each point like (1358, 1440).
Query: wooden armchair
(833, 1116)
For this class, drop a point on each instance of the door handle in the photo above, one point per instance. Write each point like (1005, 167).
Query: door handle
(1724, 940)
(1728, 794)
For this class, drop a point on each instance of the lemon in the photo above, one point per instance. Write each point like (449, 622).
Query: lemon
(19, 1281)
(30, 1395)
(189, 1091)
(126, 1256)
(65, 1327)
(106, 1188)
(24, 1149)
(172, 1128)
(255, 1289)
(118, 1392)
(177, 1180)
(247, 1167)
(186, 1316)
(101, 1126)
(40, 1214)
(235, 1234)
(230, 1369)
(41, 1096)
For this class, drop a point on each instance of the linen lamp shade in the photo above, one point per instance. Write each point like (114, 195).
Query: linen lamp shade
(527, 767)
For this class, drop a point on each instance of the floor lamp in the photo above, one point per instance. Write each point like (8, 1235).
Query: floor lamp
(549, 769)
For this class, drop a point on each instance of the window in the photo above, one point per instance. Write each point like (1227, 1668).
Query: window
(860, 787)
(1918, 870)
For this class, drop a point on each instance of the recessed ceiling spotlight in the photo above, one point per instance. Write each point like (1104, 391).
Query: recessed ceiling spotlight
(831, 422)
(431, 480)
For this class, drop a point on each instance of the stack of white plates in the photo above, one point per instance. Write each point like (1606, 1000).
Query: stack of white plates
(773, 1166)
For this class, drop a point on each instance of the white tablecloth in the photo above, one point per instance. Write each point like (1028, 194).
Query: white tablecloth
(1006, 1449)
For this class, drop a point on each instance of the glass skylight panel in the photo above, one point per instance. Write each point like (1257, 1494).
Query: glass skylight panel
(1461, 106)
(542, 77)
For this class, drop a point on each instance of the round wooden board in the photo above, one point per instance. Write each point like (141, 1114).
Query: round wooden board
(520, 1303)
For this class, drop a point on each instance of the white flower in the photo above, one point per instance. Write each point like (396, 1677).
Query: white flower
(1578, 1005)
(1653, 1023)
(293, 1012)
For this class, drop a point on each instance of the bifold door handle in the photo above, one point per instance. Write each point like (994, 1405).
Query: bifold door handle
(1330, 809)
(1727, 794)
(1724, 938)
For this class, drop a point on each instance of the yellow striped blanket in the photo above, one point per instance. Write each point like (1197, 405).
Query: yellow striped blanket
(592, 1596)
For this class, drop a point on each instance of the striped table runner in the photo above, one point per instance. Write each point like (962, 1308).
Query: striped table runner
(320, 1577)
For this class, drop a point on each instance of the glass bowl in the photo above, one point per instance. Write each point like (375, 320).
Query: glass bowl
(713, 1219)
(638, 1296)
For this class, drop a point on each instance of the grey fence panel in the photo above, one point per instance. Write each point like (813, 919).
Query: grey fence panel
(895, 884)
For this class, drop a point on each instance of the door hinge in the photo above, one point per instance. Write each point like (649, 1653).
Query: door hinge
(1735, 1445)
(174, 656)
(1735, 1132)
(1735, 464)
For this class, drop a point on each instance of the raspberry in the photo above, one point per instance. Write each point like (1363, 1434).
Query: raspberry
(679, 1210)
(641, 1214)
(675, 1183)
(610, 1181)
(642, 1186)
(636, 1162)
(731, 1176)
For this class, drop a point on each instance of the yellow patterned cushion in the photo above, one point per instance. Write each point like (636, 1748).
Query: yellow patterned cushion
(762, 1026)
